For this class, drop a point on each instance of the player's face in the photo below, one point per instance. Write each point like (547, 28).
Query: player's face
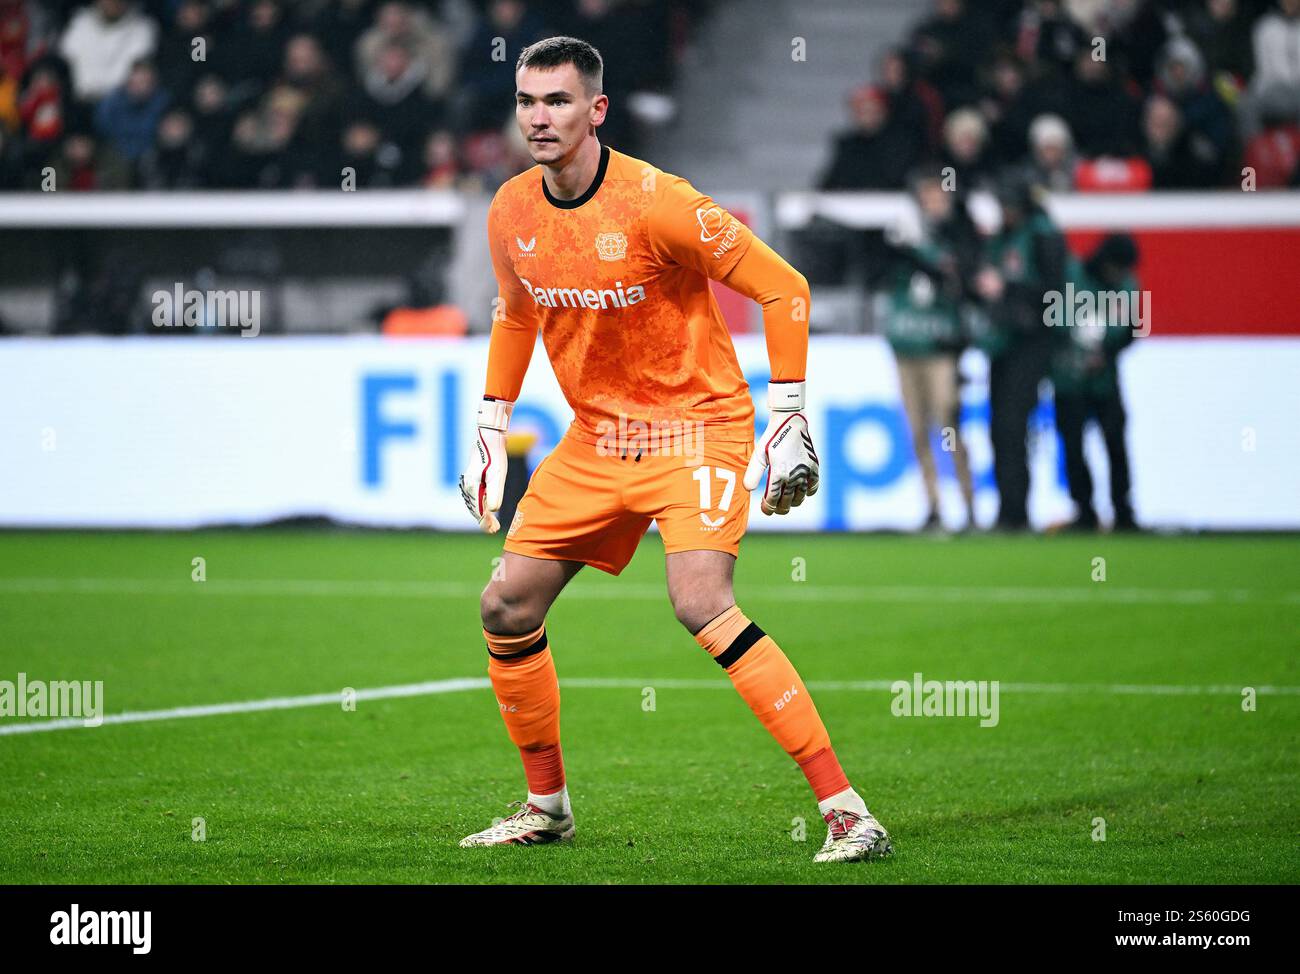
(554, 111)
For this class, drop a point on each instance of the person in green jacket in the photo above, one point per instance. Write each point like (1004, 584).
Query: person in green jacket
(923, 324)
(1101, 312)
(1023, 263)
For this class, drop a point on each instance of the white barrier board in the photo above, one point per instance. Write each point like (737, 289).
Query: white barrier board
(191, 431)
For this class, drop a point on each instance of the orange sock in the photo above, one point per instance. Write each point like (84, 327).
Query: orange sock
(528, 693)
(771, 686)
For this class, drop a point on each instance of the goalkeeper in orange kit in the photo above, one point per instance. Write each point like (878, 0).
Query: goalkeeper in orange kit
(611, 259)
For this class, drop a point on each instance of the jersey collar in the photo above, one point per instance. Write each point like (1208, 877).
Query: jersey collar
(577, 201)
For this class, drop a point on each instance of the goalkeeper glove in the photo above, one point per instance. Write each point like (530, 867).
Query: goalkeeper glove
(786, 449)
(483, 483)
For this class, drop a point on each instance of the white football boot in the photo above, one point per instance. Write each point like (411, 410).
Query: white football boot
(851, 837)
(528, 826)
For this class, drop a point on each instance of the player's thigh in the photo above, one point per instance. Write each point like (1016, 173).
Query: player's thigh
(516, 577)
(522, 590)
(700, 585)
(702, 511)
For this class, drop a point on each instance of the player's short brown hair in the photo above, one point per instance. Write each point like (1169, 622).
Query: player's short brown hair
(556, 51)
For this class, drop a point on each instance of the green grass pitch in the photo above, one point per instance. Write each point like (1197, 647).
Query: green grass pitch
(1192, 787)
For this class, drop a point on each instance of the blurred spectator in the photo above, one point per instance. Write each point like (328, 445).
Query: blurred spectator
(1085, 376)
(41, 107)
(259, 39)
(1274, 153)
(396, 98)
(1208, 124)
(82, 164)
(338, 23)
(1009, 106)
(102, 42)
(924, 328)
(429, 46)
(376, 163)
(263, 155)
(241, 165)
(965, 147)
(914, 106)
(295, 160)
(1222, 30)
(1023, 262)
(307, 72)
(177, 160)
(1102, 114)
(441, 166)
(873, 154)
(26, 34)
(949, 46)
(1048, 38)
(1168, 149)
(177, 68)
(211, 116)
(1277, 47)
(128, 118)
(1135, 51)
(1052, 153)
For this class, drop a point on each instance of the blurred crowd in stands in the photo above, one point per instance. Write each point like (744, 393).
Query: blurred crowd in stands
(241, 94)
(1092, 95)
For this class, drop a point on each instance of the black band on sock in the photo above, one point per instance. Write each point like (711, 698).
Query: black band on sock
(532, 650)
(740, 645)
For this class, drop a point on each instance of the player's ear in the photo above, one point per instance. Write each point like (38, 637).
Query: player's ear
(599, 108)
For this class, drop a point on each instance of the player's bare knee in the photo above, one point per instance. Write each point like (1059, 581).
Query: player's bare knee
(696, 611)
(504, 612)
(491, 608)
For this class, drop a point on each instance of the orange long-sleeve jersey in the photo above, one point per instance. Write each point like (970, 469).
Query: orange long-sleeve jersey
(617, 280)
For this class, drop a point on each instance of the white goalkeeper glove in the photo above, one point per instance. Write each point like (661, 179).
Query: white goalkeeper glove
(786, 450)
(483, 483)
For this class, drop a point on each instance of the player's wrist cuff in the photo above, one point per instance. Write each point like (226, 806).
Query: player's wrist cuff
(785, 397)
(494, 414)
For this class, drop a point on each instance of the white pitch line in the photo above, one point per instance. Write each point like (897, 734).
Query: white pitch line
(435, 687)
(253, 706)
(1085, 593)
(1117, 689)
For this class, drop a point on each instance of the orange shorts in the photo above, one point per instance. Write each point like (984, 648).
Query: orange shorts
(592, 505)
